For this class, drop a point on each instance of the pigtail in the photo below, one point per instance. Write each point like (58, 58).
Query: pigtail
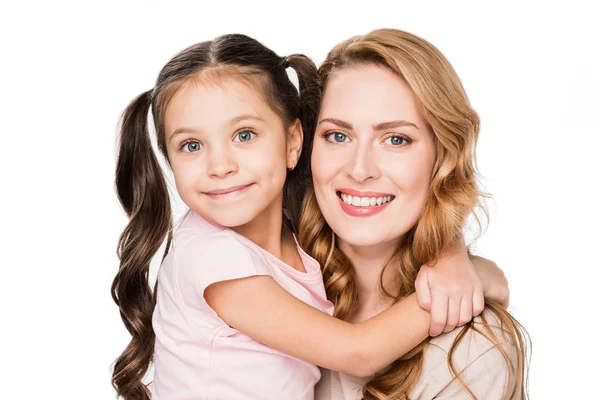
(143, 193)
(310, 97)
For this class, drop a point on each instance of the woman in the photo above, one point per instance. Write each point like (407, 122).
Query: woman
(394, 183)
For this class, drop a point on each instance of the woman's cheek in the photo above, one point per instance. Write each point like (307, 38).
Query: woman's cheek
(324, 164)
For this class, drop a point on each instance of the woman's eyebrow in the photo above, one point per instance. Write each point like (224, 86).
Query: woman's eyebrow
(338, 122)
(382, 126)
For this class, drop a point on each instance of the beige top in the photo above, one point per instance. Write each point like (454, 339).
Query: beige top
(483, 365)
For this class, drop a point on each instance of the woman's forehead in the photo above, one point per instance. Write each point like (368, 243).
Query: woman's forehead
(369, 95)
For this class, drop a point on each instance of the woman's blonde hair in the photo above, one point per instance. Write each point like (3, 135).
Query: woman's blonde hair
(453, 196)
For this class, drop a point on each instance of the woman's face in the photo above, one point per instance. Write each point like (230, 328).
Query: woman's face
(372, 157)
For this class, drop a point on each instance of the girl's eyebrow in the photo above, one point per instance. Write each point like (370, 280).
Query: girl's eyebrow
(182, 130)
(233, 121)
(245, 117)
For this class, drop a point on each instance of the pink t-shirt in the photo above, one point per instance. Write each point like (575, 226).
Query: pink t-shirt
(197, 355)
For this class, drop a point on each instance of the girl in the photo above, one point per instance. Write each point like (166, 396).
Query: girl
(412, 142)
(241, 311)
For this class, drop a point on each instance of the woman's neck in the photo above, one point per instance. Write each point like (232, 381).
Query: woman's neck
(368, 263)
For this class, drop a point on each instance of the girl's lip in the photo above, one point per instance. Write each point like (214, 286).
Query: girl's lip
(227, 190)
(228, 193)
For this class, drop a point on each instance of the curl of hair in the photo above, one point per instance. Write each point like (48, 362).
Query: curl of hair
(143, 194)
(142, 189)
(452, 198)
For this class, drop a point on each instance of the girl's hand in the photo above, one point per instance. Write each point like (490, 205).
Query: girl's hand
(451, 289)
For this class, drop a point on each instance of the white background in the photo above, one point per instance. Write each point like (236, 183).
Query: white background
(68, 70)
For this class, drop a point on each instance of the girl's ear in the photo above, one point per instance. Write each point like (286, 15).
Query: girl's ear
(294, 144)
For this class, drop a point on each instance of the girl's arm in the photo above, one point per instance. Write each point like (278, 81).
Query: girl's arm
(453, 288)
(259, 307)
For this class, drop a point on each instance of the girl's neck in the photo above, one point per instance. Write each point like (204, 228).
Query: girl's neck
(266, 229)
(368, 263)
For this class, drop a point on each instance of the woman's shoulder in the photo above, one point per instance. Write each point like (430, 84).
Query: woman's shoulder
(487, 332)
(484, 356)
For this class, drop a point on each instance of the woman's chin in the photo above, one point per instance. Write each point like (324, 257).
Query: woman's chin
(364, 238)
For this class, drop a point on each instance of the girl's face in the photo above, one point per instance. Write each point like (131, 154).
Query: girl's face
(228, 151)
(372, 157)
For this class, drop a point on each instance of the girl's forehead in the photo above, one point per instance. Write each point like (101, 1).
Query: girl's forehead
(202, 102)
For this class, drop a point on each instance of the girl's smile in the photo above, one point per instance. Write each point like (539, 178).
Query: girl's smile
(229, 193)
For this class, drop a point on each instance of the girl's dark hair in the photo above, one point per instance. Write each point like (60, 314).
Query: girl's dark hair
(142, 189)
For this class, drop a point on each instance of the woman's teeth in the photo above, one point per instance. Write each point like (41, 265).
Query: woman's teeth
(365, 201)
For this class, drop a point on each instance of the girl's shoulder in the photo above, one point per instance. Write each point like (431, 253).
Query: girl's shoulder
(198, 242)
(202, 254)
(192, 224)
(193, 233)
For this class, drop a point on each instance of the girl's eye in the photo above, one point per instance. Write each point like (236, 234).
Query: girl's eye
(191, 147)
(336, 137)
(396, 140)
(244, 136)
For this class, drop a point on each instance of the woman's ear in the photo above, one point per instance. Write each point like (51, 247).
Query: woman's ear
(294, 144)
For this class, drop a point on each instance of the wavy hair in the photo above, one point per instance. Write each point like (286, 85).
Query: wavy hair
(142, 189)
(452, 198)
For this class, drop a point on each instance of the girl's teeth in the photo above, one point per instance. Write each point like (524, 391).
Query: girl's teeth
(364, 201)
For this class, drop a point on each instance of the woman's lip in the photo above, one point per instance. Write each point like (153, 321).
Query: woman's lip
(356, 211)
(362, 194)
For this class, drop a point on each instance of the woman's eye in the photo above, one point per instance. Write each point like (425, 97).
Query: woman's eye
(396, 140)
(244, 136)
(337, 137)
(191, 147)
